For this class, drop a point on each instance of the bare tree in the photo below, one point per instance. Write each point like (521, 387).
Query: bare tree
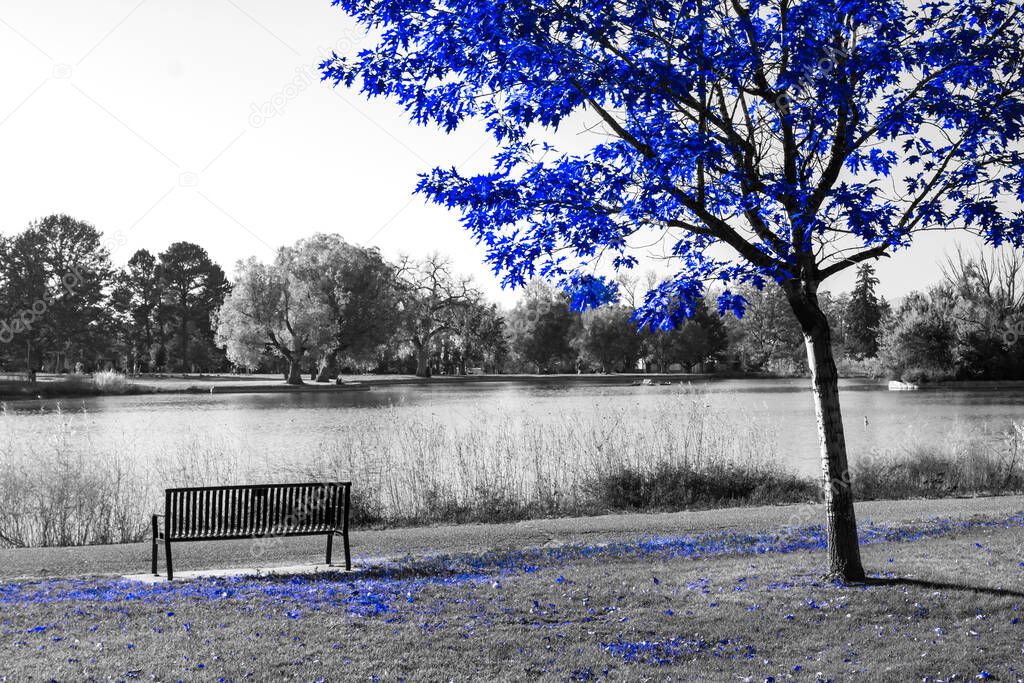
(431, 300)
(989, 283)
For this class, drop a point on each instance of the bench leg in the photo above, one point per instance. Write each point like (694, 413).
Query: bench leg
(330, 547)
(170, 562)
(154, 546)
(344, 527)
(348, 552)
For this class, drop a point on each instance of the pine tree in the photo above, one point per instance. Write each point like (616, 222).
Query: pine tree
(863, 315)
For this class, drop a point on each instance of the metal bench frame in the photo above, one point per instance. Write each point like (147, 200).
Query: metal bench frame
(221, 513)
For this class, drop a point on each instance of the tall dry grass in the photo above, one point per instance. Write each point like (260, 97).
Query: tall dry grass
(60, 488)
(965, 462)
(410, 466)
(420, 467)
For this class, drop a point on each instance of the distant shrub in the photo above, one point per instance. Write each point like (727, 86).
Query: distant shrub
(111, 382)
(671, 486)
(863, 367)
(923, 374)
(106, 382)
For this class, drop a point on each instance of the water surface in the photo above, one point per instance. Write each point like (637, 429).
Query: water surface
(274, 425)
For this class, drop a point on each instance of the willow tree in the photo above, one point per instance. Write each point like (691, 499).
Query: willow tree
(274, 310)
(769, 142)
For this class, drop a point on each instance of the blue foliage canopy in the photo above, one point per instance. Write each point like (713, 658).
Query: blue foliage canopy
(760, 140)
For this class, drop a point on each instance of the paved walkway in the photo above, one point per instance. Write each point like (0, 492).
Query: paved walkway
(133, 559)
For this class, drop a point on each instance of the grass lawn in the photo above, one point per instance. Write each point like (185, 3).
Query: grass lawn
(708, 606)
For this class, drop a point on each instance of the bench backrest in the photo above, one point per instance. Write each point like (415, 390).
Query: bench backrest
(221, 512)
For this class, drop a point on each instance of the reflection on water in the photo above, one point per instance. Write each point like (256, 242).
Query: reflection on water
(270, 424)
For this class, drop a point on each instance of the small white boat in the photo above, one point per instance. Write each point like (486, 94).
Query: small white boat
(896, 385)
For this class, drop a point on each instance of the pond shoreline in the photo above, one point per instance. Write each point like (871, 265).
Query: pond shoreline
(51, 387)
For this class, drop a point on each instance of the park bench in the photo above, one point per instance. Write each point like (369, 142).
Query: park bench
(265, 511)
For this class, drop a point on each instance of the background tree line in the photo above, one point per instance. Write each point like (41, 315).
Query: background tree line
(63, 305)
(323, 307)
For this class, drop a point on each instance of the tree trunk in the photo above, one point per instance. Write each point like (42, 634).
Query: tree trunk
(843, 549)
(183, 336)
(294, 359)
(422, 359)
(30, 370)
(294, 372)
(327, 367)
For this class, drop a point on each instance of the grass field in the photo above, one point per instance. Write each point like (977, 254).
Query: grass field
(946, 604)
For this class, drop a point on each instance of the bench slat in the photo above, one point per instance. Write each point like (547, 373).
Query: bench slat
(193, 513)
(270, 503)
(232, 509)
(225, 510)
(288, 509)
(250, 512)
(278, 509)
(245, 512)
(195, 499)
(329, 504)
(209, 514)
(197, 513)
(180, 504)
(188, 512)
(311, 509)
(218, 510)
(267, 516)
(179, 526)
(292, 509)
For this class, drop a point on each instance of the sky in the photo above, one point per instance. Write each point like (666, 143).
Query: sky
(205, 121)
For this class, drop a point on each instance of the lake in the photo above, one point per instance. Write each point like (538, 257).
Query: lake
(273, 426)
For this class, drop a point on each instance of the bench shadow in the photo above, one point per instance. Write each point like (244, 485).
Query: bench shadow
(943, 586)
(425, 569)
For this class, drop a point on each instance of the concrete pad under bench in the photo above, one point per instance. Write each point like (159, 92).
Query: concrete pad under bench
(233, 572)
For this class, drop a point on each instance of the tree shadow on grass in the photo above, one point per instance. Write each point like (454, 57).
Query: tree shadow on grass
(942, 586)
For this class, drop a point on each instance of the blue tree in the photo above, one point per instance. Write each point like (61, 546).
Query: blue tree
(769, 142)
